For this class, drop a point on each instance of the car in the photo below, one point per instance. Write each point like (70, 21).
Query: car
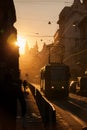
(74, 87)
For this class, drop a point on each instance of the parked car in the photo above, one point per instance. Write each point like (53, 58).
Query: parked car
(74, 87)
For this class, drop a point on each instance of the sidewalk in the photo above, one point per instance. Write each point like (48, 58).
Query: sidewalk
(33, 120)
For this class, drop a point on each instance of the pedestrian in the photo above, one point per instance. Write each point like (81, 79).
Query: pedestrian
(24, 84)
(10, 92)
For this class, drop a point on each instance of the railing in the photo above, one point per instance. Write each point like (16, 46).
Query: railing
(47, 110)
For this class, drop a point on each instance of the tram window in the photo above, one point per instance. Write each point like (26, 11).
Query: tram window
(57, 74)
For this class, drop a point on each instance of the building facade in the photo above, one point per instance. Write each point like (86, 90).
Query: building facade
(69, 34)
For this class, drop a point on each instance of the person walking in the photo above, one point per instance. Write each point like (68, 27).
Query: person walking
(24, 84)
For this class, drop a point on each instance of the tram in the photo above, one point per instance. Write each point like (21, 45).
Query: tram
(54, 80)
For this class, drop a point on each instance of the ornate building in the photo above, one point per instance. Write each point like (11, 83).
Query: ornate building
(69, 34)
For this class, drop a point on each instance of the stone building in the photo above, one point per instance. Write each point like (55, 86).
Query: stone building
(83, 45)
(9, 52)
(69, 34)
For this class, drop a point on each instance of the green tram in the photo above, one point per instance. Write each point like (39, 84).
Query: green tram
(54, 80)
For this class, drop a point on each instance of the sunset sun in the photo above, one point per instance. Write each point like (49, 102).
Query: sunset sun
(21, 42)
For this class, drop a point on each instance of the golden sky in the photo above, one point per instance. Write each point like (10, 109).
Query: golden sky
(33, 17)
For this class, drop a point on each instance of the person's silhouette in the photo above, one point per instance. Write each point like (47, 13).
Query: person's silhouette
(24, 84)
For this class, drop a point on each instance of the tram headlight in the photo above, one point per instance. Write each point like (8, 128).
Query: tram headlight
(62, 87)
(52, 87)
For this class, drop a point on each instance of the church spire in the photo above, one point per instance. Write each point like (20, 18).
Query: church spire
(76, 2)
(26, 48)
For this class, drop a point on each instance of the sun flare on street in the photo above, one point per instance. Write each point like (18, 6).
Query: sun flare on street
(21, 42)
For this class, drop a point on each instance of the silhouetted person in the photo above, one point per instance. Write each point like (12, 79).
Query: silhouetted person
(9, 93)
(24, 84)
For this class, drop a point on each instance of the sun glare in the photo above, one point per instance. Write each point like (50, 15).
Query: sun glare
(21, 43)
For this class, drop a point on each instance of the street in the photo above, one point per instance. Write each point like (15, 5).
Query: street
(71, 113)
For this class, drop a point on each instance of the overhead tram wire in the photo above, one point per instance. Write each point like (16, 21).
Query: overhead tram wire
(38, 35)
(38, 1)
(41, 1)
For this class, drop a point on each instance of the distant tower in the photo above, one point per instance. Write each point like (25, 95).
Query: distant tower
(44, 46)
(36, 47)
(76, 4)
(26, 48)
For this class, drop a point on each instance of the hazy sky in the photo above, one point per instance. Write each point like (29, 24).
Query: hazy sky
(33, 17)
